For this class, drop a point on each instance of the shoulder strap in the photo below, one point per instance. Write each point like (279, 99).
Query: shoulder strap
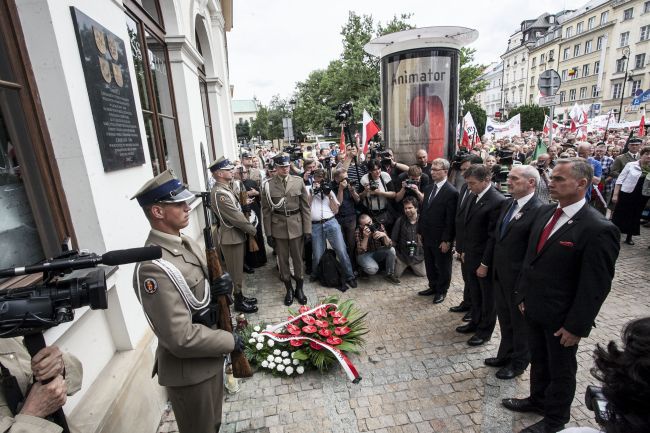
(11, 390)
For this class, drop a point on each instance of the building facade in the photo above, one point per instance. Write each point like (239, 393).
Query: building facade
(490, 98)
(244, 110)
(96, 97)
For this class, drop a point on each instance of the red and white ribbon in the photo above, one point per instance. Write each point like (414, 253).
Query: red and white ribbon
(345, 362)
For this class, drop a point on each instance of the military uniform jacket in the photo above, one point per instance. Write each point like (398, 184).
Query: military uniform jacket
(15, 357)
(293, 218)
(233, 225)
(255, 175)
(187, 353)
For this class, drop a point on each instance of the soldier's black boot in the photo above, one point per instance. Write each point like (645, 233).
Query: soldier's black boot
(251, 301)
(288, 298)
(242, 306)
(300, 295)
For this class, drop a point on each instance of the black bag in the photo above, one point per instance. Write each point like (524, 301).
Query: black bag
(330, 271)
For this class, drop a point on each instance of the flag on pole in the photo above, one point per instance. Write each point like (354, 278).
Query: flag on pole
(342, 142)
(539, 149)
(642, 124)
(546, 129)
(469, 130)
(370, 129)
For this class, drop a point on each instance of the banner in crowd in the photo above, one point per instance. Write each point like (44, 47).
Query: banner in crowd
(470, 134)
(504, 129)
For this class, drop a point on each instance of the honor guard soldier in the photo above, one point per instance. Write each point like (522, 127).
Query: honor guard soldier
(233, 229)
(254, 174)
(190, 356)
(287, 222)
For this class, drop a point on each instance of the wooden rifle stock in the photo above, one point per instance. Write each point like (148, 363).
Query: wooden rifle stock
(240, 366)
(243, 201)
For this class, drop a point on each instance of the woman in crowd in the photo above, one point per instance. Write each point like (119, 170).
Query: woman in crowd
(628, 196)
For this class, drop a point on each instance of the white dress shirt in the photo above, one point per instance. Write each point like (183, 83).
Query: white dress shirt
(521, 203)
(568, 212)
(482, 193)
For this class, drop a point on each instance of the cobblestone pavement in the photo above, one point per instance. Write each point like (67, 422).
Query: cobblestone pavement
(419, 375)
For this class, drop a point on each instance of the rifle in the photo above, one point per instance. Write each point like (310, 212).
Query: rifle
(243, 201)
(240, 366)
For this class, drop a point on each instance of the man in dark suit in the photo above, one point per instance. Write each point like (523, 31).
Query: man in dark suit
(478, 244)
(512, 233)
(436, 228)
(565, 277)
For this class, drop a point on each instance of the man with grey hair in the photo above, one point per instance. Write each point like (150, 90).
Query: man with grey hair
(511, 239)
(565, 277)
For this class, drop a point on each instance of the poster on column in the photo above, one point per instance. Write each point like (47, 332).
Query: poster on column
(418, 92)
(110, 91)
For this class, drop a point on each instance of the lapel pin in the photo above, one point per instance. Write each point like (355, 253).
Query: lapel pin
(519, 215)
(570, 222)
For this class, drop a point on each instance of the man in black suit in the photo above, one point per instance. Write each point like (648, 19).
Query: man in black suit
(565, 277)
(465, 196)
(436, 228)
(512, 233)
(478, 244)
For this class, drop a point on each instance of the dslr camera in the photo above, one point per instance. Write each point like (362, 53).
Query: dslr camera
(374, 185)
(596, 402)
(325, 188)
(374, 227)
(411, 182)
(411, 247)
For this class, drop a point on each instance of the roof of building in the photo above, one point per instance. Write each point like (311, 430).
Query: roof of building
(585, 8)
(244, 106)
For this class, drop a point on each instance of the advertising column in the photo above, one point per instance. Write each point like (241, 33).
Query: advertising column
(419, 89)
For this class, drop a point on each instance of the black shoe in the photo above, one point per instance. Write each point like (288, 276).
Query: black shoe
(467, 317)
(250, 300)
(477, 341)
(507, 372)
(288, 298)
(313, 278)
(461, 308)
(439, 298)
(522, 405)
(352, 282)
(248, 269)
(630, 242)
(299, 294)
(427, 292)
(542, 427)
(495, 362)
(391, 278)
(466, 329)
(242, 306)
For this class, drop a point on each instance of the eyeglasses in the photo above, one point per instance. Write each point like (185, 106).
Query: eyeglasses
(438, 169)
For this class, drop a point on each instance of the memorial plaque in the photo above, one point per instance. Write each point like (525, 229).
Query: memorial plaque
(110, 91)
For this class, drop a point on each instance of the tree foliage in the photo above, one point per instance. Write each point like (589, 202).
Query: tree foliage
(469, 84)
(532, 116)
(243, 131)
(478, 115)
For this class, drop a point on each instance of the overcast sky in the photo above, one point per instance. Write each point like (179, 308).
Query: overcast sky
(276, 43)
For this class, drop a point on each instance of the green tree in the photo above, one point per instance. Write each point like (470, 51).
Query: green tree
(532, 116)
(260, 125)
(478, 115)
(469, 84)
(243, 131)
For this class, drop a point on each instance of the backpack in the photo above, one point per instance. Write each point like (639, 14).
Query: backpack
(330, 271)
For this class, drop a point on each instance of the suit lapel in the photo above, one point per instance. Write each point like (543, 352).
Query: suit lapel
(570, 224)
(479, 204)
(514, 219)
(437, 196)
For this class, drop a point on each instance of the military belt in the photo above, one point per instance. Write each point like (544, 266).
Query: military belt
(286, 212)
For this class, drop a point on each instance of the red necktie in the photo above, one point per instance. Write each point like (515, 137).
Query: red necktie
(548, 229)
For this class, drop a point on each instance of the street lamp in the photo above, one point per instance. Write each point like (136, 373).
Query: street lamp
(626, 59)
(292, 103)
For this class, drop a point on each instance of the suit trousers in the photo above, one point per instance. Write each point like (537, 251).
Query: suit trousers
(467, 299)
(514, 329)
(552, 373)
(234, 257)
(197, 408)
(438, 266)
(293, 248)
(484, 314)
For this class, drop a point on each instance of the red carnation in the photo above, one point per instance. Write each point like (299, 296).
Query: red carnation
(336, 314)
(342, 330)
(293, 329)
(339, 320)
(334, 341)
(325, 333)
(309, 329)
(314, 346)
(296, 343)
(308, 320)
(303, 309)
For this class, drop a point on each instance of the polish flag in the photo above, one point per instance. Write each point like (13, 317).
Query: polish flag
(642, 124)
(342, 142)
(370, 129)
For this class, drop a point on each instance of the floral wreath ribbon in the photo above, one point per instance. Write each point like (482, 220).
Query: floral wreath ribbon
(345, 362)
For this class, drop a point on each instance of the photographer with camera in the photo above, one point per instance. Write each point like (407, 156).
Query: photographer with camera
(377, 191)
(309, 165)
(352, 163)
(324, 227)
(373, 247)
(407, 241)
(63, 371)
(412, 185)
(390, 166)
(347, 196)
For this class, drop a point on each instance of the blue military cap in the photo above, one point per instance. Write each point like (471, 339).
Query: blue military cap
(281, 160)
(164, 188)
(222, 163)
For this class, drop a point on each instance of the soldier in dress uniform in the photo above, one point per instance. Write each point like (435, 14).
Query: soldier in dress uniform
(233, 228)
(287, 222)
(254, 174)
(190, 356)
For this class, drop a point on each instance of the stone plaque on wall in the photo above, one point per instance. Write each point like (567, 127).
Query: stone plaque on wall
(110, 92)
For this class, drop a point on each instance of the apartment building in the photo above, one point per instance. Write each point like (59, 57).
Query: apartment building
(490, 98)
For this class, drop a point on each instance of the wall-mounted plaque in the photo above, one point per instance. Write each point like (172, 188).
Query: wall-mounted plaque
(110, 91)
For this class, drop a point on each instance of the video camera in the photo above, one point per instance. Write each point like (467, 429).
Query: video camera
(345, 113)
(295, 152)
(458, 158)
(596, 402)
(68, 284)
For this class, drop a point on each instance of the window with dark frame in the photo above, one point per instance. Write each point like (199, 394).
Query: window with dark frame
(639, 61)
(205, 104)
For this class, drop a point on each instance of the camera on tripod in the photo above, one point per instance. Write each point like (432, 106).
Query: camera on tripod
(345, 113)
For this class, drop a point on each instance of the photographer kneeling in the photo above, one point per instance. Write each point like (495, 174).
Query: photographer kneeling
(373, 247)
(27, 414)
(408, 243)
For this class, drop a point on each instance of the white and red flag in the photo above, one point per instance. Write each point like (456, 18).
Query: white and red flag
(342, 142)
(642, 124)
(370, 129)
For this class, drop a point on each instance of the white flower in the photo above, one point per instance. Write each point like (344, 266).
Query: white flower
(276, 352)
(280, 367)
(270, 358)
(252, 340)
(265, 364)
(285, 354)
(286, 361)
(296, 362)
(257, 328)
(254, 334)
(271, 343)
(271, 365)
(278, 360)
(260, 339)
(292, 354)
(300, 370)
(259, 346)
(289, 370)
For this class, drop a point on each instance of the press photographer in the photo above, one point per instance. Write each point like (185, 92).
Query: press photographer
(347, 196)
(413, 184)
(377, 190)
(374, 247)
